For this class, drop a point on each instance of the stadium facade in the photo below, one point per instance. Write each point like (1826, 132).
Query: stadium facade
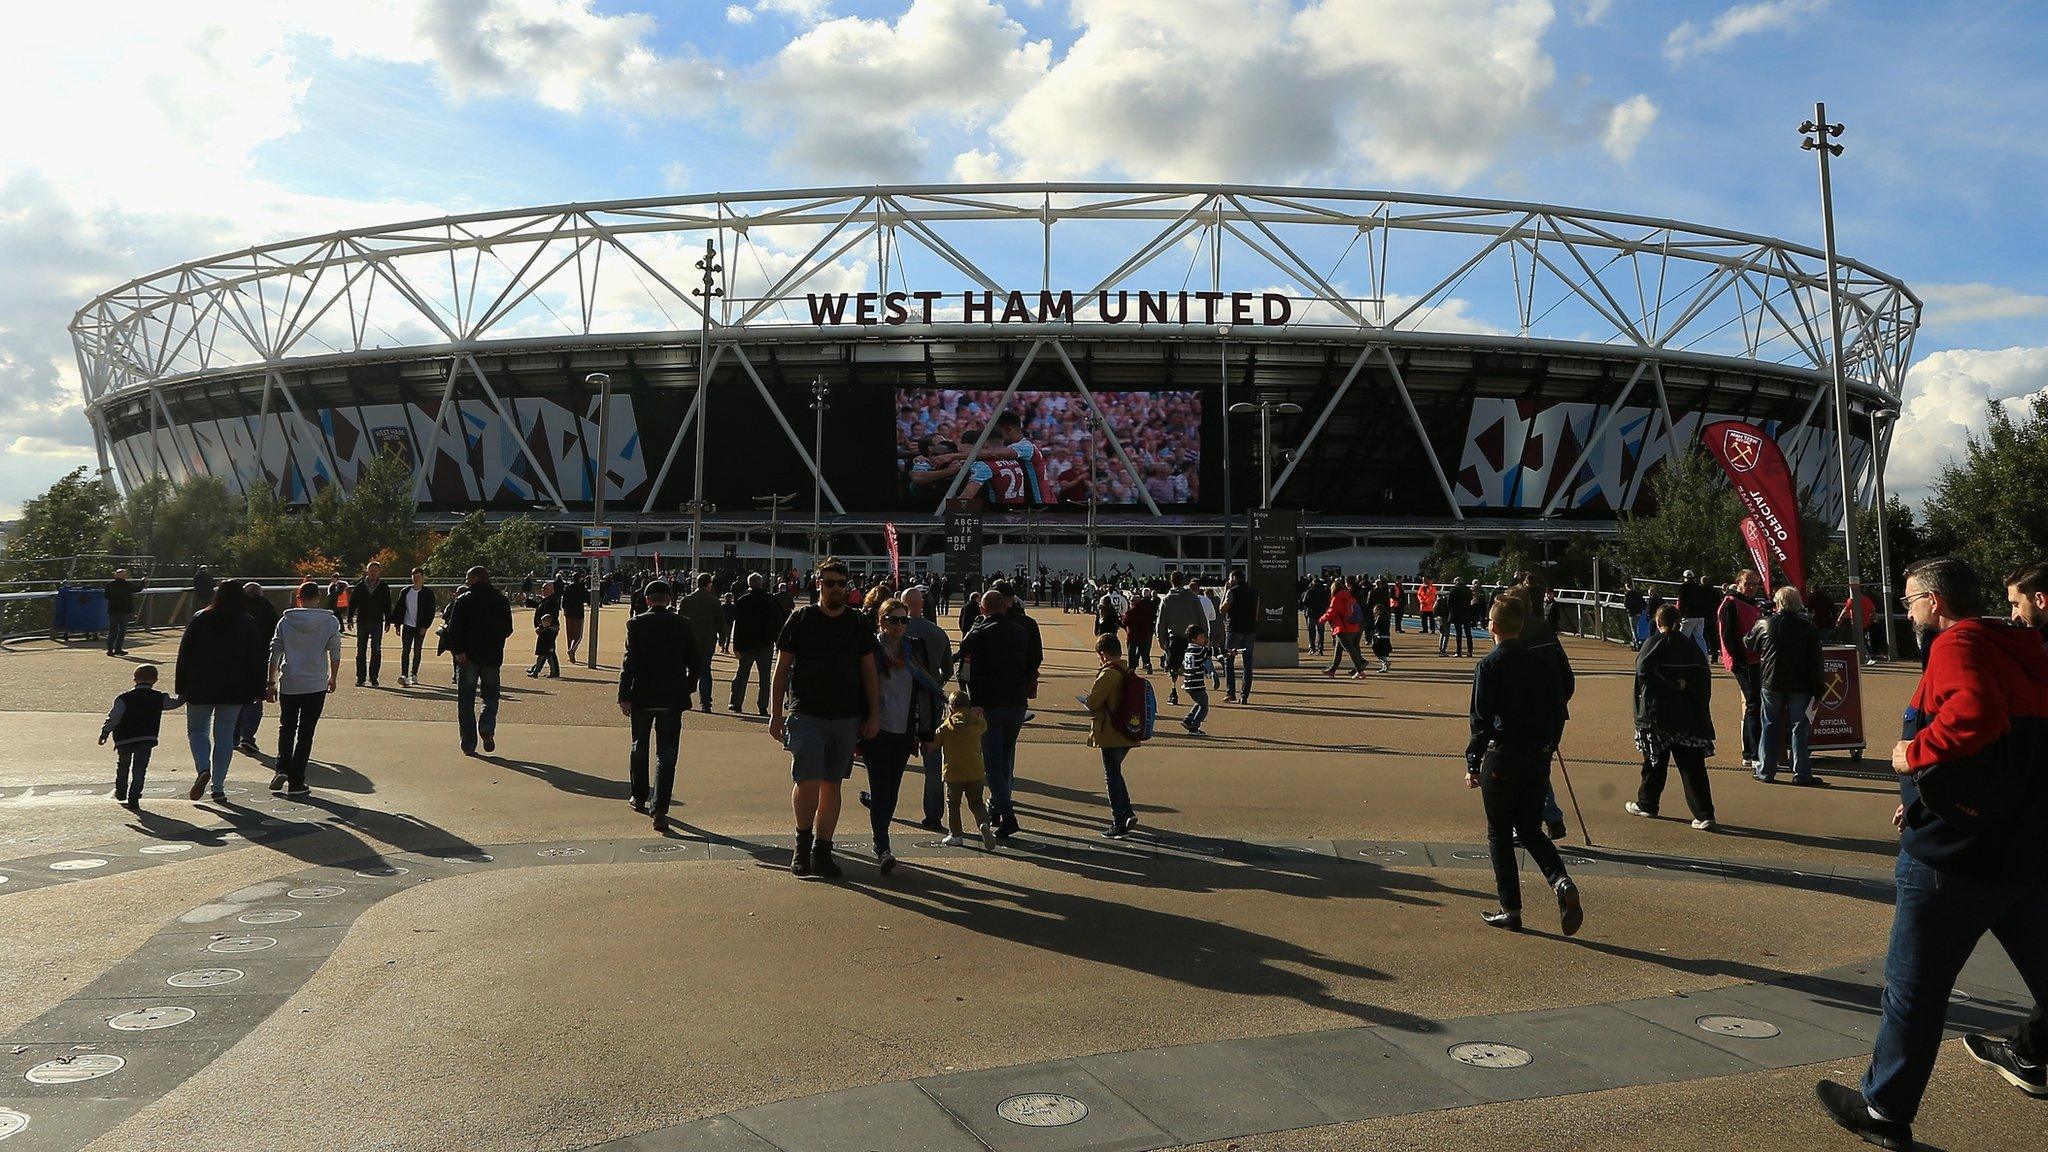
(1460, 365)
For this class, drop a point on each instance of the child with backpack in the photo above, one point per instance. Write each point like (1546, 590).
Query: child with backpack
(959, 741)
(1195, 665)
(545, 629)
(133, 723)
(1120, 708)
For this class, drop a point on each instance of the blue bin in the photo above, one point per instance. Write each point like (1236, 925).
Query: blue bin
(80, 610)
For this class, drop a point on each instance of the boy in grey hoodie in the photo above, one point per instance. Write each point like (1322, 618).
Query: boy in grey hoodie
(305, 658)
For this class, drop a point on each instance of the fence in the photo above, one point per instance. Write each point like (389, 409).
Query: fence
(27, 613)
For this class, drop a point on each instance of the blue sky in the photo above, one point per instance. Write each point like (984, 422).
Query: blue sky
(148, 134)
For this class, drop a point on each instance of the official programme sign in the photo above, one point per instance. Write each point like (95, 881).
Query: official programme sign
(963, 543)
(597, 541)
(1247, 309)
(1838, 710)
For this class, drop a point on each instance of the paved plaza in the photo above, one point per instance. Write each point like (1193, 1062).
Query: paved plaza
(439, 952)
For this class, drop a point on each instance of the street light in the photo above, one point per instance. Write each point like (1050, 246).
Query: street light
(705, 295)
(603, 382)
(820, 390)
(1094, 427)
(1816, 135)
(1884, 552)
(1265, 409)
(774, 504)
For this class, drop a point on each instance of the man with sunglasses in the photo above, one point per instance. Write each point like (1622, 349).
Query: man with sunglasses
(826, 697)
(1973, 824)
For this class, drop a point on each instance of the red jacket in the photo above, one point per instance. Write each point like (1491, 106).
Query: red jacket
(1862, 606)
(1986, 682)
(1338, 614)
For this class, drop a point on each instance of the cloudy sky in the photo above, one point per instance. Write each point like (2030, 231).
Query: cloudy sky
(141, 135)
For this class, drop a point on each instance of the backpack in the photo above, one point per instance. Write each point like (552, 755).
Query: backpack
(1135, 708)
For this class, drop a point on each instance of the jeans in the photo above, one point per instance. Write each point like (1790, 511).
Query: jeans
(250, 720)
(117, 634)
(1749, 677)
(1936, 923)
(1694, 628)
(468, 677)
(885, 757)
(704, 685)
(548, 660)
(1318, 635)
(1141, 649)
(131, 764)
(759, 660)
(298, 713)
(1692, 775)
(999, 760)
(369, 647)
(1515, 806)
(1780, 707)
(1240, 646)
(1464, 637)
(1200, 711)
(665, 725)
(1642, 628)
(410, 642)
(1347, 645)
(1120, 810)
(211, 730)
(934, 786)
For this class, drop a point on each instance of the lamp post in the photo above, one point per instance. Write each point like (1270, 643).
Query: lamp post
(1816, 135)
(1884, 552)
(705, 295)
(1265, 409)
(603, 381)
(820, 391)
(1223, 378)
(1094, 427)
(775, 504)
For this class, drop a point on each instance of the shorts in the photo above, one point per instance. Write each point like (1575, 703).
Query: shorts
(820, 749)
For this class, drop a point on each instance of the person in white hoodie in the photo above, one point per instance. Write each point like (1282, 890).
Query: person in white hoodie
(305, 658)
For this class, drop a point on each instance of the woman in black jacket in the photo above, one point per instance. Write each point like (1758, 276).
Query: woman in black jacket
(1674, 720)
(220, 669)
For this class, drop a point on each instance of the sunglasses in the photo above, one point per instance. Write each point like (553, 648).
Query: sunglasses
(831, 583)
(895, 619)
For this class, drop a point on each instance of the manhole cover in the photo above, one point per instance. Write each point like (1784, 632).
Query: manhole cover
(1741, 1026)
(658, 849)
(205, 978)
(387, 870)
(1574, 861)
(164, 849)
(231, 944)
(1200, 849)
(1042, 1110)
(281, 916)
(316, 892)
(1486, 1054)
(12, 1122)
(74, 792)
(77, 865)
(1382, 853)
(150, 1019)
(479, 858)
(560, 852)
(1471, 855)
(72, 1069)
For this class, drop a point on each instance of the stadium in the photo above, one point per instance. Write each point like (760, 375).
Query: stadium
(1063, 355)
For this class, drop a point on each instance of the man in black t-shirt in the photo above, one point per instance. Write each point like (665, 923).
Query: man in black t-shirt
(825, 679)
(1241, 624)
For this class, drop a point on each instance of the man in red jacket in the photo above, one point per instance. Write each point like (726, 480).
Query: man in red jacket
(1973, 837)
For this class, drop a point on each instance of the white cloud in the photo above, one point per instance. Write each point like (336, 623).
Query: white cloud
(738, 14)
(1215, 89)
(853, 96)
(676, 176)
(1946, 394)
(802, 11)
(1591, 11)
(1976, 303)
(978, 166)
(1688, 39)
(1627, 124)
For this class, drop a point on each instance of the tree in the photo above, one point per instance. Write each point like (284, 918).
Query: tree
(68, 519)
(1695, 524)
(379, 514)
(1447, 560)
(1987, 507)
(512, 546)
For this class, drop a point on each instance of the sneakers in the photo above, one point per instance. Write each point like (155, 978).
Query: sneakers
(639, 806)
(886, 862)
(950, 840)
(198, 787)
(490, 743)
(1635, 809)
(248, 748)
(1113, 832)
(1998, 1055)
(298, 789)
(1503, 918)
(278, 782)
(1706, 825)
(988, 838)
(1851, 1111)
(867, 799)
(1570, 914)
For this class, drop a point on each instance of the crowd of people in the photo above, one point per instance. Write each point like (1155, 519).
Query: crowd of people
(876, 679)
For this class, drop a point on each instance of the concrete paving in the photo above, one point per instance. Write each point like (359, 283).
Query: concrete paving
(495, 953)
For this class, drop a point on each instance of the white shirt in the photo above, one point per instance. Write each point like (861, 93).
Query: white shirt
(410, 598)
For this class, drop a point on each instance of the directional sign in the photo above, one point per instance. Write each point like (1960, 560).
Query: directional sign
(597, 541)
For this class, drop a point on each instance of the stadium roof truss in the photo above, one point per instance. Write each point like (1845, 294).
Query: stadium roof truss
(1366, 268)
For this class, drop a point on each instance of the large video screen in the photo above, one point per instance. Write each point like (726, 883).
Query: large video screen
(1037, 454)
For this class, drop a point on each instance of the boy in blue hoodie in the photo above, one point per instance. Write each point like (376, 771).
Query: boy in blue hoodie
(132, 723)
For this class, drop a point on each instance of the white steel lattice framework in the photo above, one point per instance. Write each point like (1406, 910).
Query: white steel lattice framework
(1375, 270)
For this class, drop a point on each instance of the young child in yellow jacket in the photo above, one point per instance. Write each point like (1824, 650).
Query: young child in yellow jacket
(959, 741)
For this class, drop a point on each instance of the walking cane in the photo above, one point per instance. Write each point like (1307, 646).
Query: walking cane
(1573, 793)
